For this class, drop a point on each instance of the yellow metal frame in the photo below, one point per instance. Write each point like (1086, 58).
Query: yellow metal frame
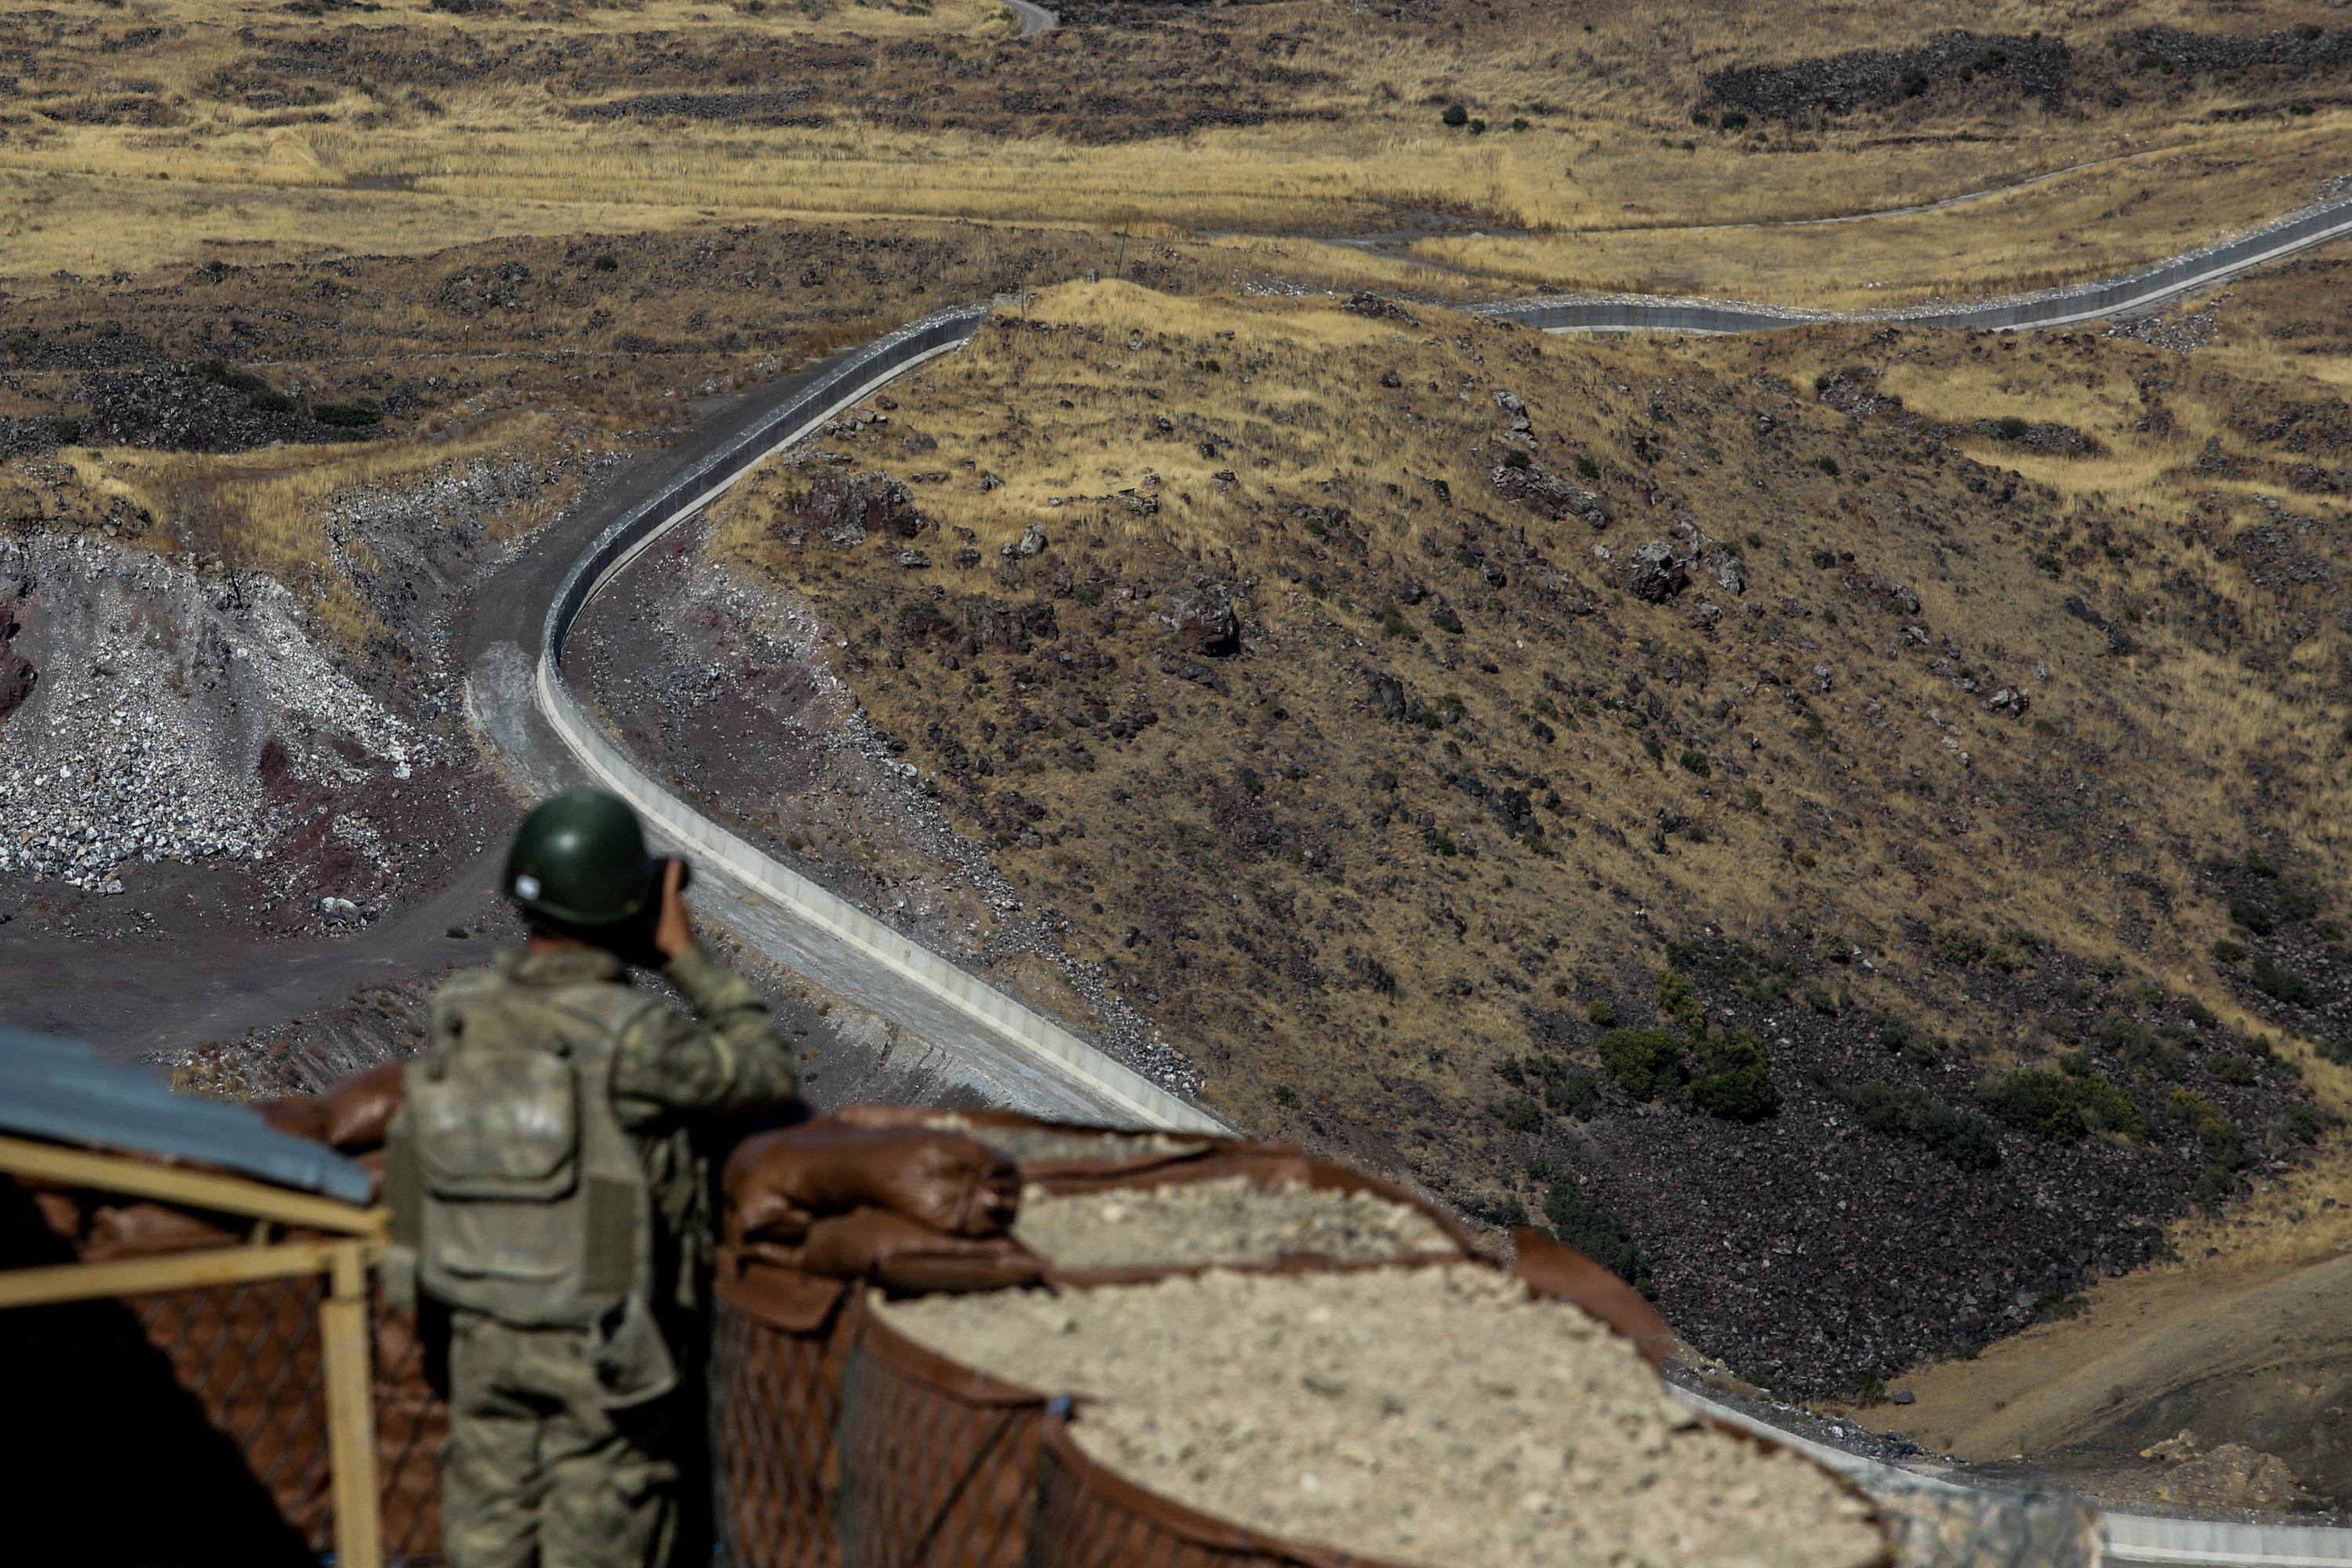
(343, 1316)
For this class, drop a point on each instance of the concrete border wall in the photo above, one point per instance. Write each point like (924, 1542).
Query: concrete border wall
(2134, 292)
(1029, 1033)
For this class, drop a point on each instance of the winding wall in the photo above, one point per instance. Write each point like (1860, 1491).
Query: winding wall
(1053, 1052)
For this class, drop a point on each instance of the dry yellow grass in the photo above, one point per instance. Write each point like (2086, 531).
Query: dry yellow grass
(252, 147)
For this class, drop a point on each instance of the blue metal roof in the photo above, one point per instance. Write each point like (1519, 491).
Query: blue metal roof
(60, 1091)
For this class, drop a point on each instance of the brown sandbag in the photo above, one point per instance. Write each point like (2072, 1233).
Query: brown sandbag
(352, 1114)
(778, 1184)
(1095, 1153)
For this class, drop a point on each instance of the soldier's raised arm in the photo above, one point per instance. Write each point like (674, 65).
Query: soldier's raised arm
(727, 1059)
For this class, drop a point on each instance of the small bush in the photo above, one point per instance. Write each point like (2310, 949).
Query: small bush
(1522, 1115)
(2296, 903)
(66, 430)
(1701, 118)
(2278, 982)
(1456, 116)
(1516, 458)
(2062, 1108)
(1962, 945)
(1732, 120)
(2229, 1068)
(2304, 1123)
(1579, 1222)
(1286, 1097)
(2250, 915)
(1519, 124)
(608, 262)
(349, 415)
(1477, 128)
(19, 344)
(1917, 1117)
(1394, 624)
(1448, 621)
(2011, 428)
(1733, 1077)
(2328, 931)
(1601, 1013)
(1827, 465)
(1586, 468)
(2223, 1141)
(1643, 1062)
(1695, 762)
(2228, 951)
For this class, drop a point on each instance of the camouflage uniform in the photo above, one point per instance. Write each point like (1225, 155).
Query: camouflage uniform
(549, 1463)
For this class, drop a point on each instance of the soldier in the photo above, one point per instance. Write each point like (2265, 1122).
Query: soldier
(549, 1195)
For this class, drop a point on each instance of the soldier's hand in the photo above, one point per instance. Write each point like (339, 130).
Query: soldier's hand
(672, 932)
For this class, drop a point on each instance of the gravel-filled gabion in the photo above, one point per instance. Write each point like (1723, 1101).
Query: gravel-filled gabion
(1442, 1415)
(1230, 1220)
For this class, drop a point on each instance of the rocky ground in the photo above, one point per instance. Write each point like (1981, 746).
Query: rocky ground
(1384, 744)
(731, 696)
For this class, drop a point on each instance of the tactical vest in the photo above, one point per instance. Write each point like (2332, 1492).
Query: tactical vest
(514, 1188)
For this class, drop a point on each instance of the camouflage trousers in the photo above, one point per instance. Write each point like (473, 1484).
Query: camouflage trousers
(539, 1472)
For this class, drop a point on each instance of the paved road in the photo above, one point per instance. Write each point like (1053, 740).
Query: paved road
(1034, 18)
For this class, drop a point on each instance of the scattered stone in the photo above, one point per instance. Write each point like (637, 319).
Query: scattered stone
(1201, 616)
(1032, 542)
(1654, 573)
(1539, 488)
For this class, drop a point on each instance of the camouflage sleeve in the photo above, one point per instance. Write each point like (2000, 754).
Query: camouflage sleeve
(727, 1057)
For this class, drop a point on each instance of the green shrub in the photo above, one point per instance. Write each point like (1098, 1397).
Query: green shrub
(2011, 427)
(1586, 468)
(67, 430)
(1917, 1117)
(1962, 945)
(1394, 624)
(2250, 915)
(2328, 931)
(2296, 903)
(2013, 950)
(2304, 1123)
(2229, 1068)
(1456, 116)
(349, 415)
(1696, 763)
(1448, 622)
(2228, 951)
(1643, 1062)
(1827, 465)
(1733, 1077)
(1732, 120)
(1516, 458)
(2278, 982)
(1579, 1222)
(1286, 1097)
(2223, 1141)
(2060, 1106)
(1601, 1013)
(608, 262)
(1522, 1115)
(1478, 127)
(1679, 1005)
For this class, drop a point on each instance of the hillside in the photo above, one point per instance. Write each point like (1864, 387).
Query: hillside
(1938, 706)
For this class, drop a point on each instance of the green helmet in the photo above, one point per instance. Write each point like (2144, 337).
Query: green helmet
(579, 858)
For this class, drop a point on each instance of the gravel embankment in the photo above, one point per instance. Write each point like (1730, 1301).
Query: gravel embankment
(1436, 1416)
(1230, 1220)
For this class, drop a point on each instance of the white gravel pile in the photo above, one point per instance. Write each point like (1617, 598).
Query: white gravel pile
(1440, 1416)
(1047, 1145)
(1230, 1220)
(158, 689)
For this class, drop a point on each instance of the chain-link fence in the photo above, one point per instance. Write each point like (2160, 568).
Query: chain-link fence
(250, 1354)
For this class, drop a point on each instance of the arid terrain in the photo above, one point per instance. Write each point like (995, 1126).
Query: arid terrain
(1843, 824)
